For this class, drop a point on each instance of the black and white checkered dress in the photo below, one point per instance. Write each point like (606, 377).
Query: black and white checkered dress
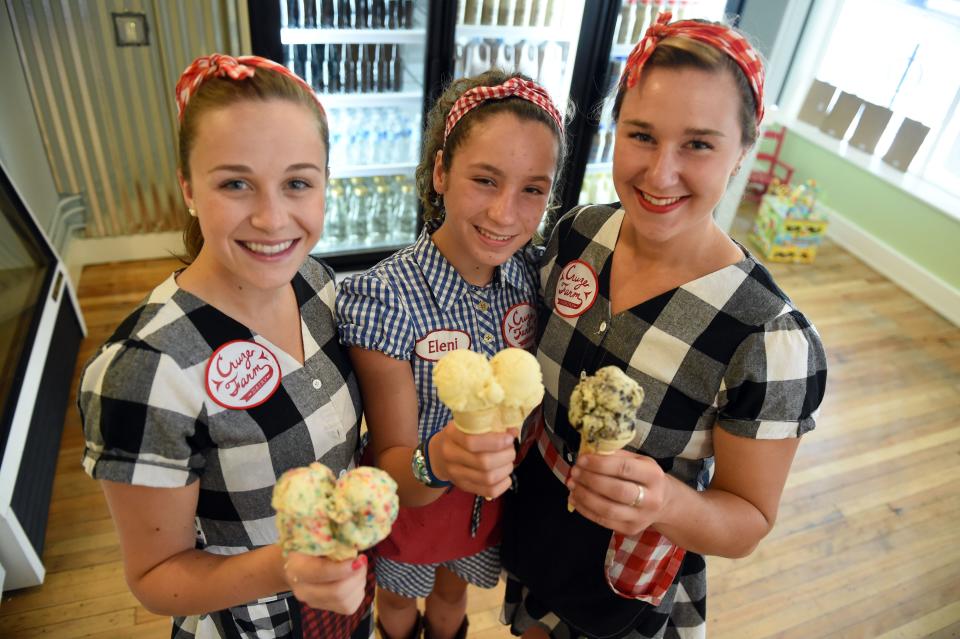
(726, 350)
(149, 420)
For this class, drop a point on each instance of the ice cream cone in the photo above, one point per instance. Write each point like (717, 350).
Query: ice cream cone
(601, 447)
(477, 421)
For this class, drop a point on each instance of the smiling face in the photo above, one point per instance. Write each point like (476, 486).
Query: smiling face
(495, 193)
(678, 141)
(257, 182)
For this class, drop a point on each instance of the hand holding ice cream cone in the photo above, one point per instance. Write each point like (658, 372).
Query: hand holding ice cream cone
(603, 408)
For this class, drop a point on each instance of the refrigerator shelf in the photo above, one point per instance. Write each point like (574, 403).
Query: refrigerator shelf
(344, 100)
(344, 249)
(513, 34)
(621, 50)
(352, 36)
(371, 170)
(599, 167)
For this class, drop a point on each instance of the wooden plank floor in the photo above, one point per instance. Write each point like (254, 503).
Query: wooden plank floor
(868, 539)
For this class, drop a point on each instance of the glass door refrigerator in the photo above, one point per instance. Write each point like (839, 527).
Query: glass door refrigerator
(378, 65)
(366, 59)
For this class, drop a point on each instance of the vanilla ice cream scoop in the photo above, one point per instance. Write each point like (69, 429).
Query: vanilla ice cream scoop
(603, 407)
(466, 385)
(318, 514)
(518, 373)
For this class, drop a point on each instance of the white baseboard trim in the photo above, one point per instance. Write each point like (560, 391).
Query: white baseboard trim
(901, 270)
(81, 251)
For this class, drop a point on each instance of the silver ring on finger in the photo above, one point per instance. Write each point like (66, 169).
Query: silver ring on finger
(641, 493)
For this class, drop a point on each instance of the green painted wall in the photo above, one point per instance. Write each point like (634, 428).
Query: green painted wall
(920, 232)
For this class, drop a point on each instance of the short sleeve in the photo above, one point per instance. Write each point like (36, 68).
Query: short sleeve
(775, 381)
(371, 315)
(140, 413)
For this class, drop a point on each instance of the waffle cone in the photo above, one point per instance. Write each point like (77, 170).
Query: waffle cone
(478, 421)
(602, 447)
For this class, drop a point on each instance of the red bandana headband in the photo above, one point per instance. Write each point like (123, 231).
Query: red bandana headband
(218, 66)
(719, 37)
(514, 87)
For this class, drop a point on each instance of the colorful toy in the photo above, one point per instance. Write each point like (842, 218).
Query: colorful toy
(789, 227)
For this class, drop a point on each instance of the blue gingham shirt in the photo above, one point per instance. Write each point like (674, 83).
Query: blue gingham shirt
(416, 293)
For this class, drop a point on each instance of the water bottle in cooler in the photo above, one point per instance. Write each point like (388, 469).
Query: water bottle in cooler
(378, 11)
(327, 14)
(472, 11)
(521, 14)
(508, 8)
(459, 60)
(394, 14)
(358, 230)
(292, 14)
(333, 68)
(380, 151)
(407, 14)
(300, 60)
(644, 19)
(316, 67)
(505, 56)
(310, 14)
(476, 57)
(490, 12)
(396, 73)
(361, 14)
(344, 14)
(384, 67)
(628, 13)
(527, 59)
(337, 125)
(380, 214)
(351, 52)
(334, 222)
(538, 13)
(405, 229)
(367, 65)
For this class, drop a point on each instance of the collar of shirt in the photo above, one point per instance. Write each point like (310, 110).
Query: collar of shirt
(446, 284)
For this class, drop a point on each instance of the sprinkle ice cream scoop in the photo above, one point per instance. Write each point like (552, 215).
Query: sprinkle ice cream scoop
(318, 514)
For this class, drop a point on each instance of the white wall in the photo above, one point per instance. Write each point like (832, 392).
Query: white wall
(21, 145)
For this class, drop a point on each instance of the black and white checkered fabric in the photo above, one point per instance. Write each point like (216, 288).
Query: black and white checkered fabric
(728, 349)
(149, 421)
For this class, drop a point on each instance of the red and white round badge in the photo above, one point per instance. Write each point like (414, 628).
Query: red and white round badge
(519, 325)
(242, 374)
(576, 289)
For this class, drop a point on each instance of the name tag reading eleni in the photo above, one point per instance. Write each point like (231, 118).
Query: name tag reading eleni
(436, 344)
(242, 374)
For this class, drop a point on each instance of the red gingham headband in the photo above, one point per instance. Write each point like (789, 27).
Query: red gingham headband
(514, 87)
(218, 65)
(720, 37)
